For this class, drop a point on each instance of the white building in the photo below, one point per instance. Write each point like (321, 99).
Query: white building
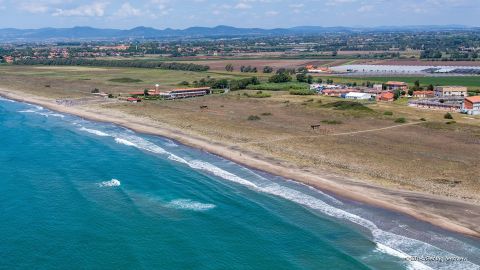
(356, 95)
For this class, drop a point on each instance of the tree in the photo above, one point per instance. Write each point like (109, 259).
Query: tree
(319, 80)
(430, 87)
(267, 69)
(396, 94)
(410, 92)
(301, 77)
(280, 78)
(145, 92)
(309, 79)
(229, 67)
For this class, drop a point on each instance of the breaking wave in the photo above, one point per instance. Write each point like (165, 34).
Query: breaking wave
(111, 183)
(95, 132)
(187, 204)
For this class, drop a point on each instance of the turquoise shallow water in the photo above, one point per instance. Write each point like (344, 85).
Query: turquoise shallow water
(83, 195)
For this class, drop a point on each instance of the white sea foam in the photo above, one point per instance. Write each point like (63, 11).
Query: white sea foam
(111, 183)
(95, 132)
(28, 111)
(187, 204)
(125, 142)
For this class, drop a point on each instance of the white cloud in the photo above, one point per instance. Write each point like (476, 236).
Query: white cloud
(127, 10)
(243, 5)
(92, 10)
(34, 7)
(271, 13)
(365, 8)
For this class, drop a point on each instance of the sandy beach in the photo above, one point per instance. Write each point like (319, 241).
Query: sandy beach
(448, 213)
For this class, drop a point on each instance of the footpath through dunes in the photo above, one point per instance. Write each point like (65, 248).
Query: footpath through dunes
(220, 194)
(346, 174)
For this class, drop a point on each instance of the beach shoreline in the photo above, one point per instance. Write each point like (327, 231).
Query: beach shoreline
(446, 213)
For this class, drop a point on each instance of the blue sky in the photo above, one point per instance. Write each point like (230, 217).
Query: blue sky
(241, 13)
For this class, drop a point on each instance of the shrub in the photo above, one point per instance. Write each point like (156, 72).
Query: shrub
(302, 92)
(280, 78)
(96, 90)
(423, 119)
(347, 105)
(388, 113)
(448, 116)
(125, 80)
(266, 114)
(400, 120)
(451, 122)
(258, 94)
(253, 118)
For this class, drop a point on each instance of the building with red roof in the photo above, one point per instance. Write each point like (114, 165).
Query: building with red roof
(386, 96)
(471, 105)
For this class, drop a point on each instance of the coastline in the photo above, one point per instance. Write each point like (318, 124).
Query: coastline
(449, 214)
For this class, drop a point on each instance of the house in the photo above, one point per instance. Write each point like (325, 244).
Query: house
(471, 105)
(186, 92)
(386, 96)
(451, 91)
(392, 85)
(423, 94)
(357, 95)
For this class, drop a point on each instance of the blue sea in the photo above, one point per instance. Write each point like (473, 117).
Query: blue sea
(77, 194)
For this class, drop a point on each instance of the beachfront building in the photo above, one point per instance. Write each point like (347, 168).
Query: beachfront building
(357, 95)
(185, 93)
(423, 94)
(392, 85)
(451, 91)
(386, 96)
(471, 105)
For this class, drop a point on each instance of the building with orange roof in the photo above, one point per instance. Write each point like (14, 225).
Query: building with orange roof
(386, 96)
(423, 94)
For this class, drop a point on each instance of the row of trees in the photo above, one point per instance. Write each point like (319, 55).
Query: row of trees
(224, 83)
(113, 63)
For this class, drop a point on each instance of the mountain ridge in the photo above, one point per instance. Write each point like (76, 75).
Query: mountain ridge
(143, 32)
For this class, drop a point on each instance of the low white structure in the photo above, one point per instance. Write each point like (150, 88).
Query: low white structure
(356, 95)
